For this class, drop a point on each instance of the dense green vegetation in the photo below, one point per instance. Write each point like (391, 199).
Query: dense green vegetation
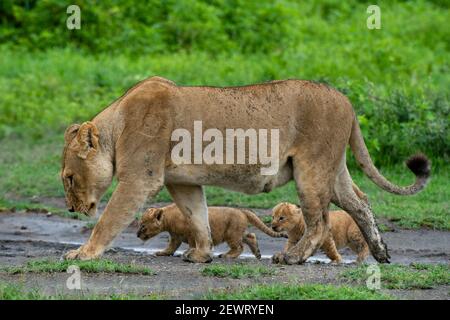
(397, 78)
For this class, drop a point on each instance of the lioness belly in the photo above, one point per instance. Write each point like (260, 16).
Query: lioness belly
(242, 178)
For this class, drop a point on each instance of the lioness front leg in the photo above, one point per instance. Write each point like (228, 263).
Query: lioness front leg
(191, 201)
(118, 214)
(174, 244)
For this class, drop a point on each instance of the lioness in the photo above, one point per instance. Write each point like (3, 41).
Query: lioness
(227, 225)
(133, 139)
(344, 232)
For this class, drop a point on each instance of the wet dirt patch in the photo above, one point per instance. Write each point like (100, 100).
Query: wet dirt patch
(26, 236)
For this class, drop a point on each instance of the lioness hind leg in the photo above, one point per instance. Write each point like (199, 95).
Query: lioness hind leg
(191, 201)
(313, 186)
(250, 240)
(360, 211)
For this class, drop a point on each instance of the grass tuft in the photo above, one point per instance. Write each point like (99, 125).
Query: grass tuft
(91, 266)
(415, 276)
(236, 271)
(298, 292)
(11, 291)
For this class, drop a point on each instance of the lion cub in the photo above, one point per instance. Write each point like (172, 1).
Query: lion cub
(227, 225)
(344, 232)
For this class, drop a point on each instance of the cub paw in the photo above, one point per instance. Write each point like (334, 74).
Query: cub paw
(277, 258)
(163, 253)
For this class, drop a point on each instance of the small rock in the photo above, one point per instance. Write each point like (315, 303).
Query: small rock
(23, 228)
(49, 214)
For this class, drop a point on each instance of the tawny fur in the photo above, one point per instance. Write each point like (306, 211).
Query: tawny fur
(227, 225)
(131, 139)
(343, 233)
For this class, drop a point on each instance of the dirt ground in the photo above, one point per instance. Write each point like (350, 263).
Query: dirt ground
(26, 236)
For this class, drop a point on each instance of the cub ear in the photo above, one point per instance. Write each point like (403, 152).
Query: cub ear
(158, 214)
(87, 138)
(71, 132)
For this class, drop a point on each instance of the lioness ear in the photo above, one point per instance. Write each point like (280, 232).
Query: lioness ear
(87, 138)
(71, 132)
(159, 214)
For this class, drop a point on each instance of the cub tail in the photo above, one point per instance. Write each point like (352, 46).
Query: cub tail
(254, 220)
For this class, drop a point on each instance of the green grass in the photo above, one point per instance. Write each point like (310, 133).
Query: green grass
(9, 291)
(415, 276)
(266, 219)
(236, 271)
(298, 292)
(91, 266)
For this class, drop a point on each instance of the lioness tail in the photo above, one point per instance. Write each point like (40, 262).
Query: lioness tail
(418, 164)
(254, 220)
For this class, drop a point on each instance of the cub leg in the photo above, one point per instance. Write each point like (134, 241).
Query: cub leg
(192, 203)
(362, 254)
(329, 247)
(357, 243)
(250, 240)
(174, 244)
(235, 251)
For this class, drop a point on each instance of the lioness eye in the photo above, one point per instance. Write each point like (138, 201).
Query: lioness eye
(281, 218)
(70, 180)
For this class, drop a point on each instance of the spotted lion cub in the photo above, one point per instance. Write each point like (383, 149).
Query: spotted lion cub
(344, 232)
(227, 225)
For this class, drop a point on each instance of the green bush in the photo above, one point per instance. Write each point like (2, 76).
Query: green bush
(397, 77)
(152, 26)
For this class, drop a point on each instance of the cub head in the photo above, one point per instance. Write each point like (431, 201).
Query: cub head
(151, 223)
(285, 216)
(87, 170)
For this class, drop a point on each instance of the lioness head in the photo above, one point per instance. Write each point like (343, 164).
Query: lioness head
(151, 223)
(87, 170)
(285, 216)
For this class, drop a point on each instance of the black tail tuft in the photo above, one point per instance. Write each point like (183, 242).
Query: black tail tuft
(419, 165)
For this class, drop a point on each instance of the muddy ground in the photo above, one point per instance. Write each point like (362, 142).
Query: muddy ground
(26, 236)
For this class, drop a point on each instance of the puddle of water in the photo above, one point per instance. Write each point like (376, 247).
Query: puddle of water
(242, 256)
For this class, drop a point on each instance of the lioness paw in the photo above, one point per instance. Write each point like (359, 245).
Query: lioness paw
(291, 259)
(80, 254)
(196, 256)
